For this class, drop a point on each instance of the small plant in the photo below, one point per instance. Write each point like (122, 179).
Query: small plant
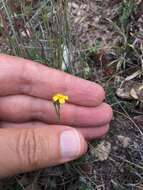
(36, 30)
(126, 10)
(129, 49)
(58, 100)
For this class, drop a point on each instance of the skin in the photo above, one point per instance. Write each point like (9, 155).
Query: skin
(30, 132)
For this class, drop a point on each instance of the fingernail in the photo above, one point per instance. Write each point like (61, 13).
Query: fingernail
(70, 144)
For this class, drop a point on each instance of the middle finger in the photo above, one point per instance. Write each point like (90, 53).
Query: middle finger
(22, 108)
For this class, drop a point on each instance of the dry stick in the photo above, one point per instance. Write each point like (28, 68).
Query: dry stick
(128, 117)
(123, 159)
(127, 161)
(79, 171)
(10, 22)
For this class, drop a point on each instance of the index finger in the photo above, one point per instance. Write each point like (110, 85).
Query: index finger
(21, 76)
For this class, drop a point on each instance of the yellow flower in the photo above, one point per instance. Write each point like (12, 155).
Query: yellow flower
(60, 98)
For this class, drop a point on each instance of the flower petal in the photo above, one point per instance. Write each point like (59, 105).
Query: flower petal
(55, 98)
(66, 97)
(61, 100)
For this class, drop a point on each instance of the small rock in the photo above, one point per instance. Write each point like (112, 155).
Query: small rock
(102, 151)
(124, 140)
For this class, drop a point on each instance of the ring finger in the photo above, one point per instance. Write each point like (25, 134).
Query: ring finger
(21, 108)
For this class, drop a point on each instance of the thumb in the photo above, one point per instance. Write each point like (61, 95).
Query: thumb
(28, 149)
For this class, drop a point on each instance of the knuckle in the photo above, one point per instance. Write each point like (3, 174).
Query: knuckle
(100, 92)
(35, 110)
(27, 148)
(25, 84)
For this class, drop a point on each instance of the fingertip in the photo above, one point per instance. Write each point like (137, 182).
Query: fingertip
(95, 133)
(108, 112)
(72, 144)
(100, 94)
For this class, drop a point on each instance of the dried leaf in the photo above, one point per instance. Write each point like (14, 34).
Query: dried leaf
(123, 94)
(134, 75)
(133, 93)
(102, 151)
(137, 93)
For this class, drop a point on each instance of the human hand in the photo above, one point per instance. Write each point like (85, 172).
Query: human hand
(31, 136)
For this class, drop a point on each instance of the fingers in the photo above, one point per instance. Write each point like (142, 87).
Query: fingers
(25, 108)
(29, 149)
(88, 133)
(20, 76)
(94, 133)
